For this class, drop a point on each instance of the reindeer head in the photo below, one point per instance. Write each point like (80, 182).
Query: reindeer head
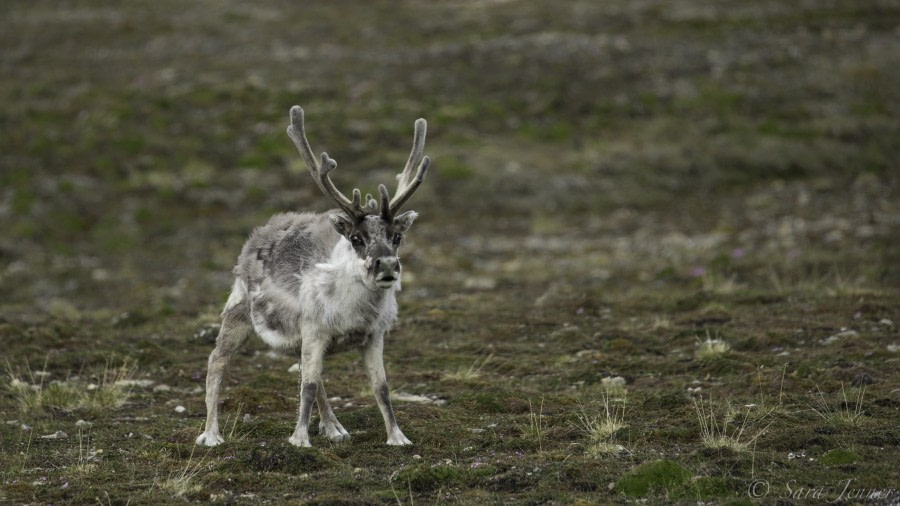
(374, 229)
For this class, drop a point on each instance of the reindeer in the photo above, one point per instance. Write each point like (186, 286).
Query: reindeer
(312, 284)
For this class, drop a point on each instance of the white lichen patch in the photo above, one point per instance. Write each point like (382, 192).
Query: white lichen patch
(421, 399)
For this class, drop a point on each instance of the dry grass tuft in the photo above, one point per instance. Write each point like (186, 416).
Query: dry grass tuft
(724, 433)
(712, 348)
(842, 412)
(535, 429)
(469, 373)
(35, 394)
(182, 482)
(601, 429)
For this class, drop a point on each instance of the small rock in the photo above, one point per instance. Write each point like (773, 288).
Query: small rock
(100, 275)
(843, 334)
(417, 457)
(180, 409)
(863, 379)
(162, 388)
(56, 435)
(26, 428)
(83, 423)
(893, 348)
(886, 322)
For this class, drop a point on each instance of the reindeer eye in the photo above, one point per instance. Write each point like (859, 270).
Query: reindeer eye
(356, 239)
(397, 238)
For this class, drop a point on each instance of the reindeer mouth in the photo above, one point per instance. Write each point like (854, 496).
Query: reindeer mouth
(385, 281)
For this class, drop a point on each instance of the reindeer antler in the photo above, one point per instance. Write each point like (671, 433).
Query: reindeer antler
(354, 208)
(406, 186)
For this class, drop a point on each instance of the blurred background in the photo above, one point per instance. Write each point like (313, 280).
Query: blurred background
(581, 143)
(614, 184)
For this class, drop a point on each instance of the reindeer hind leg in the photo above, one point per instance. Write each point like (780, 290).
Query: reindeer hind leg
(235, 329)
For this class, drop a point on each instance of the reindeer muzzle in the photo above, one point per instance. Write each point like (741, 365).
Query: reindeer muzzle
(387, 271)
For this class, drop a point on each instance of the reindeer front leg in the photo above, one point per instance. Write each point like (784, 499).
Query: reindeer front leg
(311, 358)
(374, 359)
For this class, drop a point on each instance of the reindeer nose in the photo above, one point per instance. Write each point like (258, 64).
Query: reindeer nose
(387, 264)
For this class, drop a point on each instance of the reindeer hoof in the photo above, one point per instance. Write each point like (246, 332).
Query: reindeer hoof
(398, 439)
(300, 442)
(209, 439)
(334, 432)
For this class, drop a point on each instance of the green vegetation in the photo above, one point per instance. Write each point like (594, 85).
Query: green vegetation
(659, 476)
(689, 205)
(838, 457)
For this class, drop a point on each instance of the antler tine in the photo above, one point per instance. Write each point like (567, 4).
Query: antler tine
(319, 172)
(386, 212)
(297, 132)
(407, 183)
(371, 204)
(406, 192)
(415, 155)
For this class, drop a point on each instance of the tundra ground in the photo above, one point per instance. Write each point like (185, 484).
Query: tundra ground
(657, 254)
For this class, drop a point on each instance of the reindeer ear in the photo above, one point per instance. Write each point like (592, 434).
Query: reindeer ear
(341, 224)
(403, 221)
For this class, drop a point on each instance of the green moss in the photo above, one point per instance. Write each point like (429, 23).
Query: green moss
(837, 457)
(656, 476)
(708, 487)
